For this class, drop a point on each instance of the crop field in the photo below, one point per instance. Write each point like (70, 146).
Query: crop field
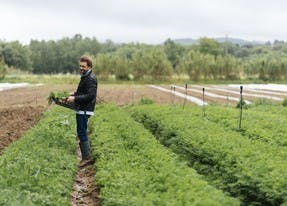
(151, 145)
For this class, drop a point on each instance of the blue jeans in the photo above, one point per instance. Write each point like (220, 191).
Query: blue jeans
(82, 125)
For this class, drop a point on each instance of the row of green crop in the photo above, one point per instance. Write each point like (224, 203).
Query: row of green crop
(271, 108)
(39, 168)
(134, 169)
(261, 125)
(265, 123)
(251, 170)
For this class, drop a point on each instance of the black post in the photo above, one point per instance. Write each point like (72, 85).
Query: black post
(240, 117)
(185, 95)
(173, 94)
(227, 100)
(203, 108)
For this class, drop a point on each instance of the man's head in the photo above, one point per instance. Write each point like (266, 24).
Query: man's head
(85, 64)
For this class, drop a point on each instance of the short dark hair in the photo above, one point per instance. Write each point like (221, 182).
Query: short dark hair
(87, 59)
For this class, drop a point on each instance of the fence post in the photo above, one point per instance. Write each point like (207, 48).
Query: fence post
(171, 94)
(174, 95)
(227, 100)
(240, 116)
(185, 95)
(203, 107)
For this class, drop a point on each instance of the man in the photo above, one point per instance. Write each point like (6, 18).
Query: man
(85, 97)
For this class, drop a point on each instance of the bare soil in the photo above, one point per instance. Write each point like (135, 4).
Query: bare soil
(15, 121)
(20, 109)
(30, 96)
(129, 94)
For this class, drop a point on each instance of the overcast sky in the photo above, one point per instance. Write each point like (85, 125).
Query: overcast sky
(145, 21)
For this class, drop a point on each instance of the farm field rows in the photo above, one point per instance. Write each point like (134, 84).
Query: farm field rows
(127, 156)
(264, 126)
(251, 170)
(225, 94)
(155, 154)
(21, 108)
(134, 169)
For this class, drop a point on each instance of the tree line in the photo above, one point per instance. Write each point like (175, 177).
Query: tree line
(206, 60)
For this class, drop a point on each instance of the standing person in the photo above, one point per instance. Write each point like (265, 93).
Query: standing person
(85, 97)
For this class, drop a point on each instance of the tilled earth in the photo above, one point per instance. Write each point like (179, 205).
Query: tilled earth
(20, 109)
(15, 121)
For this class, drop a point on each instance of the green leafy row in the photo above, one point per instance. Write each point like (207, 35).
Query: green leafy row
(134, 169)
(251, 170)
(271, 108)
(39, 168)
(261, 125)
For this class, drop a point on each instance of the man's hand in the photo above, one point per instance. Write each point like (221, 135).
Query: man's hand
(73, 93)
(71, 99)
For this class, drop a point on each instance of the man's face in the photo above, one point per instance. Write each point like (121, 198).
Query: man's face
(83, 67)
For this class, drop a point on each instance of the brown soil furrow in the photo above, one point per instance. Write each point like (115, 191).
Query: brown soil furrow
(85, 192)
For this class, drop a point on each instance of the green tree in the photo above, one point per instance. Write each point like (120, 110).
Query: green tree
(108, 46)
(191, 64)
(210, 46)
(230, 68)
(16, 55)
(160, 67)
(174, 52)
(61, 56)
(102, 65)
(120, 67)
(140, 63)
(229, 48)
(3, 69)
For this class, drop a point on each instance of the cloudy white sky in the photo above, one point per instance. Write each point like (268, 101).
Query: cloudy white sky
(148, 21)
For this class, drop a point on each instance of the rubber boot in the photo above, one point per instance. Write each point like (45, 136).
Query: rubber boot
(81, 148)
(86, 150)
(86, 153)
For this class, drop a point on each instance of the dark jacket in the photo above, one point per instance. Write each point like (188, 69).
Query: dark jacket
(86, 93)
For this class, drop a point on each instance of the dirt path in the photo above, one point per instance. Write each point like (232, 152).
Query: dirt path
(85, 192)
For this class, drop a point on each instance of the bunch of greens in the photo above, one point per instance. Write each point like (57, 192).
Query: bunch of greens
(58, 95)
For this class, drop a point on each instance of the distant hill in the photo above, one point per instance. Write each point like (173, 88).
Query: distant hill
(190, 41)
